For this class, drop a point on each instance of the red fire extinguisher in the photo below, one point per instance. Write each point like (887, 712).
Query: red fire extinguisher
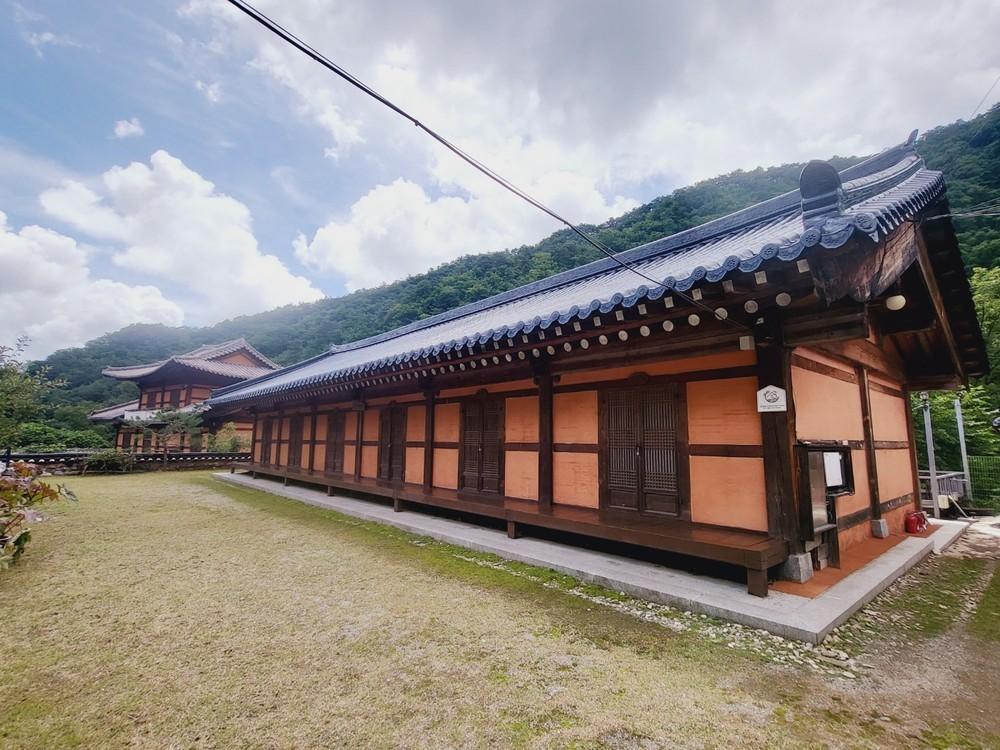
(916, 522)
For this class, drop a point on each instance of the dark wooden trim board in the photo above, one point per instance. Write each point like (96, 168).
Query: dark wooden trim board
(530, 447)
(803, 363)
(885, 389)
(575, 447)
(726, 373)
(886, 445)
(727, 451)
(897, 502)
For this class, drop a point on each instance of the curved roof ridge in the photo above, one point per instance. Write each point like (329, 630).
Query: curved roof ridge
(876, 194)
(770, 208)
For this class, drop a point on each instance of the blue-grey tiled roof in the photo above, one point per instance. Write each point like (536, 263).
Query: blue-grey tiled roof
(878, 194)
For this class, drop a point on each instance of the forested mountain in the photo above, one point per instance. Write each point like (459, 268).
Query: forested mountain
(967, 152)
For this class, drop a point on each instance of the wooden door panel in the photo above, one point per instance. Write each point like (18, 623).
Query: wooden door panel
(622, 449)
(384, 441)
(265, 441)
(295, 442)
(335, 443)
(492, 446)
(471, 446)
(397, 445)
(659, 450)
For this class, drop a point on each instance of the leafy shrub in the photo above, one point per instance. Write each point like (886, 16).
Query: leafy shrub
(37, 437)
(20, 489)
(108, 462)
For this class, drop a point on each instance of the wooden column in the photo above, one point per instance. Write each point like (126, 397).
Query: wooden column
(866, 420)
(312, 439)
(253, 436)
(429, 442)
(359, 434)
(544, 381)
(917, 502)
(778, 432)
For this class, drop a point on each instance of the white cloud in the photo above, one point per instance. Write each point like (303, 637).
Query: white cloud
(38, 40)
(211, 91)
(589, 106)
(398, 230)
(172, 225)
(130, 128)
(52, 298)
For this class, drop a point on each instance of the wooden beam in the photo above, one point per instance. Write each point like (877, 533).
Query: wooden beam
(312, 439)
(937, 300)
(914, 467)
(429, 442)
(866, 421)
(778, 433)
(545, 439)
(358, 433)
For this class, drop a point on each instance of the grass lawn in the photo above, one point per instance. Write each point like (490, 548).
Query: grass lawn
(170, 610)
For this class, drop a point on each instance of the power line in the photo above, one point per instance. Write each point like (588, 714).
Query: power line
(280, 31)
(988, 92)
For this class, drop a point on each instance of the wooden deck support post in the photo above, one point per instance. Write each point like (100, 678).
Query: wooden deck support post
(778, 433)
(544, 381)
(513, 530)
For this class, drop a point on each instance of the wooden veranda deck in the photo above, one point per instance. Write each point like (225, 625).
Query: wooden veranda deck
(754, 551)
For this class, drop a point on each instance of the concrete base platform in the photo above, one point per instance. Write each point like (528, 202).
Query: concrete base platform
(787, 615)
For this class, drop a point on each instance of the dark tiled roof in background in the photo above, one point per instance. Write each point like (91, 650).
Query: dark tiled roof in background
(878, 194)
(203, 359)
(110, 413)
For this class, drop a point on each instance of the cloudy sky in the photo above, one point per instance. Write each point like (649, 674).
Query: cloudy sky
(169, 161)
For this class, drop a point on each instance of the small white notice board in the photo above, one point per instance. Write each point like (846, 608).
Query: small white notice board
(772, 398)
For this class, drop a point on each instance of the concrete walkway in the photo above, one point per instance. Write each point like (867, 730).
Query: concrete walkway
(787, 615)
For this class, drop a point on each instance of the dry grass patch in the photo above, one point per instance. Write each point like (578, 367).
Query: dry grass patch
(169, 610)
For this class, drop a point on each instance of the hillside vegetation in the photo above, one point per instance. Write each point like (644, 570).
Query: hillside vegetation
(968, 153)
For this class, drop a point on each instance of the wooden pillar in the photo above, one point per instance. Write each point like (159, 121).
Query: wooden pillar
(866, 420)
(544, 381)
(278, 440)
(312, 438)
(914, 466)
(429, 442)
(253, 437)
(358, 439)
(778, 432)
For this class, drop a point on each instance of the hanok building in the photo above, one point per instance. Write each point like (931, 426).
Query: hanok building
(183, 382)
(748, 406)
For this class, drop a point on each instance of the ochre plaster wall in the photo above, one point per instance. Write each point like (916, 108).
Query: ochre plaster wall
(728, 492)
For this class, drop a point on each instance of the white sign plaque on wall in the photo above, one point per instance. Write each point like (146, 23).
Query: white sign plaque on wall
(772, 398)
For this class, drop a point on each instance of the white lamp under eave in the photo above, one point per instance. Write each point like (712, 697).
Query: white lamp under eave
(896, 302)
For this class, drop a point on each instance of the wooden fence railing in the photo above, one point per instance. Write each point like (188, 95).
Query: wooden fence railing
(75, 459)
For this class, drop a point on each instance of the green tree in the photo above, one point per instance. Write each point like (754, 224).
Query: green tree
(171, 425)
(21, 390)
(226, 440)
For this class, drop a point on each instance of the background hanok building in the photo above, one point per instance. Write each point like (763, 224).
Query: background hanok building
(749, 409)
(182, 382)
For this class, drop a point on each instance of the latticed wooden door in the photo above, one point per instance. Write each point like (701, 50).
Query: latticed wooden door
(335, 443)
(640, 450)
(295, 441)
(391, 443)
(622, 448)
(659, 451)
(265, 441)
(482, 446)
